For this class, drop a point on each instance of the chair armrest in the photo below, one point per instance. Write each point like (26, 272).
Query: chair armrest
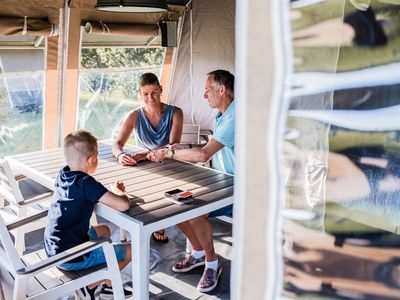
(63, 257)
(27, 219)
(38, 198)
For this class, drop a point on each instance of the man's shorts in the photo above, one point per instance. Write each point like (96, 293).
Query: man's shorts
(96, 256)
(224, 211)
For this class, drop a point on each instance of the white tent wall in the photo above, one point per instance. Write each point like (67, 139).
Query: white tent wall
(213, 47)
(23, 72)
(22, 60)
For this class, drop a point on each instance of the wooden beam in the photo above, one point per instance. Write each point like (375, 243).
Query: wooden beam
(71, 79)
(51, 100)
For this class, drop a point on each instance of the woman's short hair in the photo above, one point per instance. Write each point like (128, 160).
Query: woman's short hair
(148, 79)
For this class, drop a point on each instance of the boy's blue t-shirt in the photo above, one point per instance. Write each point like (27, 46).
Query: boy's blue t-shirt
(75, 196)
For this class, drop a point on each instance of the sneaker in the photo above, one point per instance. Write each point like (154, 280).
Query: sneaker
(85, 293)
(188, 264)
(107, 292)
(209, 280)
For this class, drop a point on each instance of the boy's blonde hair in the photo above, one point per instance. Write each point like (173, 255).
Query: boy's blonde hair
(79, 145)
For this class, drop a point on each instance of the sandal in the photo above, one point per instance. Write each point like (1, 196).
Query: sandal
(159, 236)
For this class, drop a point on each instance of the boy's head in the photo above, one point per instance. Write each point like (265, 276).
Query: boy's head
(80, 151)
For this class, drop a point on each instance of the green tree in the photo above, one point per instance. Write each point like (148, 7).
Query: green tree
(119, 58)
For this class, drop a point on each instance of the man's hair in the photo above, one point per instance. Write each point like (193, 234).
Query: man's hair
(148, 79)
(225, 78)
(79, 144)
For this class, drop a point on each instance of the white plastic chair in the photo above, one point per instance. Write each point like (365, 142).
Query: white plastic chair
(24, 197)
(190, 134)
(35, 276)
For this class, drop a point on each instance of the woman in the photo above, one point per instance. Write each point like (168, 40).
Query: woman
(154, 124)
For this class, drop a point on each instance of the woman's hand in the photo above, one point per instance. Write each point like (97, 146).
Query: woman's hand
(140, 156)
(127, 160)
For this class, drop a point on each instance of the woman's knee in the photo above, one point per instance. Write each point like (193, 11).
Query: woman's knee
(128, 251)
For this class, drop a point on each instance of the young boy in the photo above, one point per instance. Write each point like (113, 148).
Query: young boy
(75, 195)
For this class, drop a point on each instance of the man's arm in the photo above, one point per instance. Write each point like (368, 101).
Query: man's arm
(192, 155)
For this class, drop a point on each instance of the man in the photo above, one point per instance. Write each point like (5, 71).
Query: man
(219, 92)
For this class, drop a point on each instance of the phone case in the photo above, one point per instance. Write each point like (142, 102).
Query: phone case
(182, 195)
(179, 202)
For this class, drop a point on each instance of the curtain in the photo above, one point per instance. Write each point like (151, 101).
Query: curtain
(27, 26)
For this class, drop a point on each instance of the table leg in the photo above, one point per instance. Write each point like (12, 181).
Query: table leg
(140, 263)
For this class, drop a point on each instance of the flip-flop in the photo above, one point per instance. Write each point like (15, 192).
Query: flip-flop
(160, 232)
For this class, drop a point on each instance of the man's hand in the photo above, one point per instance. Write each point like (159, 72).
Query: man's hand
(158, 155)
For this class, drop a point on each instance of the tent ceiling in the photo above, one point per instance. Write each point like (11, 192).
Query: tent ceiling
(51, 9)
(32, 8)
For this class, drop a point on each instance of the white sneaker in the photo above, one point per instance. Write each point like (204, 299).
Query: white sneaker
(85, 293)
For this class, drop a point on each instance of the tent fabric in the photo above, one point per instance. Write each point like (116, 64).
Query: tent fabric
(32, 8)
(33, 3)
(121, 29)
(213, 48)
(23, 26)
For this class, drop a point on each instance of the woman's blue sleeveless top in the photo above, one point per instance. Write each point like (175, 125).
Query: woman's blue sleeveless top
(149, 137)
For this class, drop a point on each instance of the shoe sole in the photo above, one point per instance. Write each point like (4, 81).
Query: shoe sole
(79, 296)
(111, 297)
(199, 264)
(209, 289)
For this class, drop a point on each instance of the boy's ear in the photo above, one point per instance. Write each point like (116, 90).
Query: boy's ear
(90, 160)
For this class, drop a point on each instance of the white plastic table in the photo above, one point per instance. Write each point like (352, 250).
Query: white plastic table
(146, 183)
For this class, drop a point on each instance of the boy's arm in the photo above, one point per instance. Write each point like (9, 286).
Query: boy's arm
(118, 202)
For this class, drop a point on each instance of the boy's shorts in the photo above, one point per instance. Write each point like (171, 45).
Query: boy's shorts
(96, 256)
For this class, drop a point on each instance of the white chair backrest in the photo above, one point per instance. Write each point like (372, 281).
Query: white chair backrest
(8, 185)
(190, 134)
(9, 256)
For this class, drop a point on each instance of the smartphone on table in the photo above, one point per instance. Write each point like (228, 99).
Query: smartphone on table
(179, 196)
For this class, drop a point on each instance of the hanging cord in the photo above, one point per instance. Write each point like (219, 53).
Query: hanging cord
(106, 30)
(53, 30)
(25, 29)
